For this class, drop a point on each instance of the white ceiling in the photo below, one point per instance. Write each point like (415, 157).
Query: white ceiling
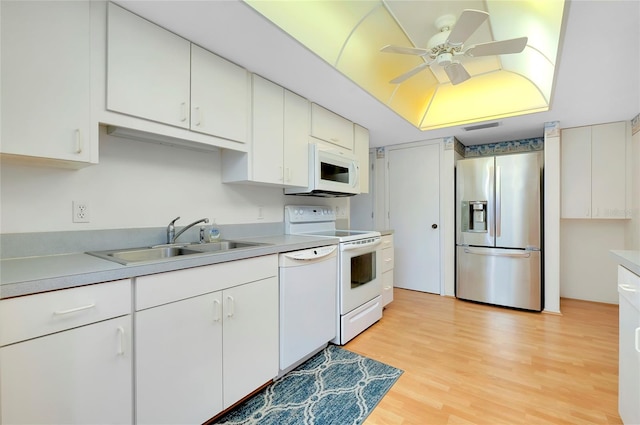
(598, 78)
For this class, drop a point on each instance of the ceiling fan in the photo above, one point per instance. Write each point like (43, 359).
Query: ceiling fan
(444, 47)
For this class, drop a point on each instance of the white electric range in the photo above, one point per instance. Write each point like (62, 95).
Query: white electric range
(359, 267)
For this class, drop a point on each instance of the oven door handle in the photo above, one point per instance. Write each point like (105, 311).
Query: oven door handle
(352, 246)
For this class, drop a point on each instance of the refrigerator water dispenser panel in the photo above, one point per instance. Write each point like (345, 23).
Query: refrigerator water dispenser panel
(474, 216)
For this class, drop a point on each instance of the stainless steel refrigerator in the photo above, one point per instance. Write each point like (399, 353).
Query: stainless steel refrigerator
(499, 230)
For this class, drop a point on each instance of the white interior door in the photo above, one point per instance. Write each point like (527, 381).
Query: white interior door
(414, 215)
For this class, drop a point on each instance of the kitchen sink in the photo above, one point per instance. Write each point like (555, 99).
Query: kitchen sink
(166, 252)
(222, 246)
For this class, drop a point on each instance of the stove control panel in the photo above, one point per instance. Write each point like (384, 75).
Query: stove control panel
(308, 214)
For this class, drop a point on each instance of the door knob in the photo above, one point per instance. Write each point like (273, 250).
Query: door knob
(434, 226)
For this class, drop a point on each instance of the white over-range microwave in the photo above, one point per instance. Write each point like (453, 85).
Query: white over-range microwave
(331, 174)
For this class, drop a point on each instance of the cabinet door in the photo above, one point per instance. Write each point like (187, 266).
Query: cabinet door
(219, 96)
(46, 80)
(575, 179)
(361, 150)
(268, 131)
(629, 363)
(296, 140)
(148, 69)
(79, 376)
(250, 339)
(179, 361)
(608, 171)
(331, 127)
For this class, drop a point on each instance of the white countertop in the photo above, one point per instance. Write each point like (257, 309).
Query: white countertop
(31, 275)
(628, 259)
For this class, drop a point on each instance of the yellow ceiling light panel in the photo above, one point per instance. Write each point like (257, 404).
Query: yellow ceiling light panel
(322, 26)
(362, 61)
(412, 97)
(496, 95)
(541, 22)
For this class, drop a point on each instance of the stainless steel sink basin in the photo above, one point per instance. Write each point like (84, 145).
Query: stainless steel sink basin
(223, 245)
(137, 255)
(166, 252)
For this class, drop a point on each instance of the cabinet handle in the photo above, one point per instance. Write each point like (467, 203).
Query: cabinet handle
(231, 307)
(79, 144)
(120, 351)
(280, 173)
(183, 112)
(198, 115)
(387, 260)
(637, 340)
(334, 139)
(627, 288)
(216, 310)
(596, 212)
(288, 174)
(73, 310)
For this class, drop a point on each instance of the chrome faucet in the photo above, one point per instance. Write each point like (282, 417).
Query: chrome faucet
(171, 229)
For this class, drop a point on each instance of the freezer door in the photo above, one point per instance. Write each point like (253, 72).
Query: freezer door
(518, 200)
(474, 186)
(506, 277)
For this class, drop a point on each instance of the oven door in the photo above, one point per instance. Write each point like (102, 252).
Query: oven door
(360, 274)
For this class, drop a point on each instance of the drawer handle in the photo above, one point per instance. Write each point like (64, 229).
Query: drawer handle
(387, 260)
(637, 341)
(120, 351)
(73, 310)
(626, 287)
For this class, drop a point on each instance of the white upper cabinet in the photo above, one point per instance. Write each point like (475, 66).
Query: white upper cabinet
(331, 127)
(160, 86)
(593, 171)
(220, 96)
(148, 69)
(279, 153)
(361, 150)
(46, 82)
(296, 136)
(268, 131)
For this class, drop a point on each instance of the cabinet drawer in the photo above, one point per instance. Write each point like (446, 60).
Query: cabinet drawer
(36, 315)
(163, 288)
(387, 259)
(629, 286)
(387, 241)
(331, 127)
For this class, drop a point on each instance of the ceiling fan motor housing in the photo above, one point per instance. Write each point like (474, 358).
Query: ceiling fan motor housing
(444, 58)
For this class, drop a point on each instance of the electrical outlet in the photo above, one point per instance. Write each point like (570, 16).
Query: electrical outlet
(80, 212)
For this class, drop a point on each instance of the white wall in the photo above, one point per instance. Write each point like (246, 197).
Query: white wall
(587, 270)
(136, 184)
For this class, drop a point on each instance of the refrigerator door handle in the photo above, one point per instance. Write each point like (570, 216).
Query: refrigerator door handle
(498, 201)
(524, 254)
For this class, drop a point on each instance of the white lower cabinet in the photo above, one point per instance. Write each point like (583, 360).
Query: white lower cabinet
(387, 269)
(629, 350)
(206, 338)
(79, 374)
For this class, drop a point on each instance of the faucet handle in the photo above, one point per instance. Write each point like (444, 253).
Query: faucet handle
(173, 222)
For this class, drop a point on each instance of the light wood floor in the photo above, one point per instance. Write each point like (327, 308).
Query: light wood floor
(466, 363)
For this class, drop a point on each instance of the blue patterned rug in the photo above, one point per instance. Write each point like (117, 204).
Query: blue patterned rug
(335, 386)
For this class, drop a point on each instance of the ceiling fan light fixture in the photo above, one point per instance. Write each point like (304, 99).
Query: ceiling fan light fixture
(444, 59)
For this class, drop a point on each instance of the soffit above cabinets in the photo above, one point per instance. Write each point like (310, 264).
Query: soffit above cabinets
(349, 35)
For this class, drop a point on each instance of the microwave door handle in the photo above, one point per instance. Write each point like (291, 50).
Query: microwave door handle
(356, 172)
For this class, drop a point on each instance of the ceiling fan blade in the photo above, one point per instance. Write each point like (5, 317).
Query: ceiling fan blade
(456, 73)
(409, 74)
(504, 47)
(404, 50)
(467, 24)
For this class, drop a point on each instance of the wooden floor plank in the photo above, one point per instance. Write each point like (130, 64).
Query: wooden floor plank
(467, 363)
